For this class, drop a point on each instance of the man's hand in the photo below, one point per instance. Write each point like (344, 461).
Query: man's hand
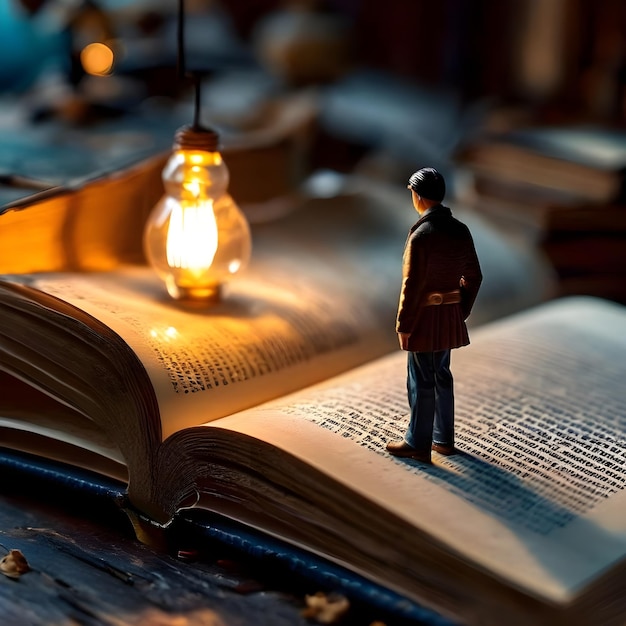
(403, 338)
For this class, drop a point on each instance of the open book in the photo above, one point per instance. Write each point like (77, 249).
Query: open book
(274, 409)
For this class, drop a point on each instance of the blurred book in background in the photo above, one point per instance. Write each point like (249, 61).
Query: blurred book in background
(561, 189)
(74, 198)
(78, 198)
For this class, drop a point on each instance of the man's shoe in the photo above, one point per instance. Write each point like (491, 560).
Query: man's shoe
(403, 449)
(442, 448)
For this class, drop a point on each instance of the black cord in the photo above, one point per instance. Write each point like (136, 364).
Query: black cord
(182, 70)
(181, 39)
(196, 111)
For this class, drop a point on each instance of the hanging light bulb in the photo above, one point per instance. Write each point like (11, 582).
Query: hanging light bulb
(196, 237)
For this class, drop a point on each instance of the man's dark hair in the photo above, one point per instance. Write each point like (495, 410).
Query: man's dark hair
(428, 183)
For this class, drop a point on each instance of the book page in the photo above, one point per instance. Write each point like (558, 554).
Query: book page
(318, 298)
(26, 409)
(537, 493)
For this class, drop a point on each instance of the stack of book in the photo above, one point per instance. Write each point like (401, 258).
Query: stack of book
(563, 189)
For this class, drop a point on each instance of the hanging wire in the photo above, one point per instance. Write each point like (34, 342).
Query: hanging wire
(181, 40)
(181, 63)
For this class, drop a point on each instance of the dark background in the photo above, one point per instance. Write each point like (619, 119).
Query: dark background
(563, 58)
(392, 86)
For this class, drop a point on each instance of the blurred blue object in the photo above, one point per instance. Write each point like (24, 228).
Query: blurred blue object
(27, 46)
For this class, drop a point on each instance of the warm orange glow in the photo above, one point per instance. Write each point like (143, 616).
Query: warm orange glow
(97, 59)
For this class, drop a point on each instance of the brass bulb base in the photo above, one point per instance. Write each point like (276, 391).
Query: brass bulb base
(206, 295)
(196, 138)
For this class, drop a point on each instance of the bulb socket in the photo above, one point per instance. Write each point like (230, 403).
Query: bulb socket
(196, 138)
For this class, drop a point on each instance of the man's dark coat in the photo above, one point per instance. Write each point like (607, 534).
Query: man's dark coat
(439, 251)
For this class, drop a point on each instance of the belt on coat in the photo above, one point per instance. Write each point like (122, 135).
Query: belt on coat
(436, 298)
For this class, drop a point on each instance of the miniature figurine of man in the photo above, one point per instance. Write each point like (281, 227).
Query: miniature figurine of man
(440, 280)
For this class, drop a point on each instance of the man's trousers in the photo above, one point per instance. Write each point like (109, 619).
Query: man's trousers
(430, 388)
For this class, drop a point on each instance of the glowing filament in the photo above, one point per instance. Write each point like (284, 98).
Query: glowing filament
(192, 235)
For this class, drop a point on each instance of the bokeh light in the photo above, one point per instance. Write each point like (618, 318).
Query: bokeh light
(97, 59)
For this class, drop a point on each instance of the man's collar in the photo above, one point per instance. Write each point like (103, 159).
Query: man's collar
(436, 209)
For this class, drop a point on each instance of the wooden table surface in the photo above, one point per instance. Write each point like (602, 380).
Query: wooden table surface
(88, 568)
